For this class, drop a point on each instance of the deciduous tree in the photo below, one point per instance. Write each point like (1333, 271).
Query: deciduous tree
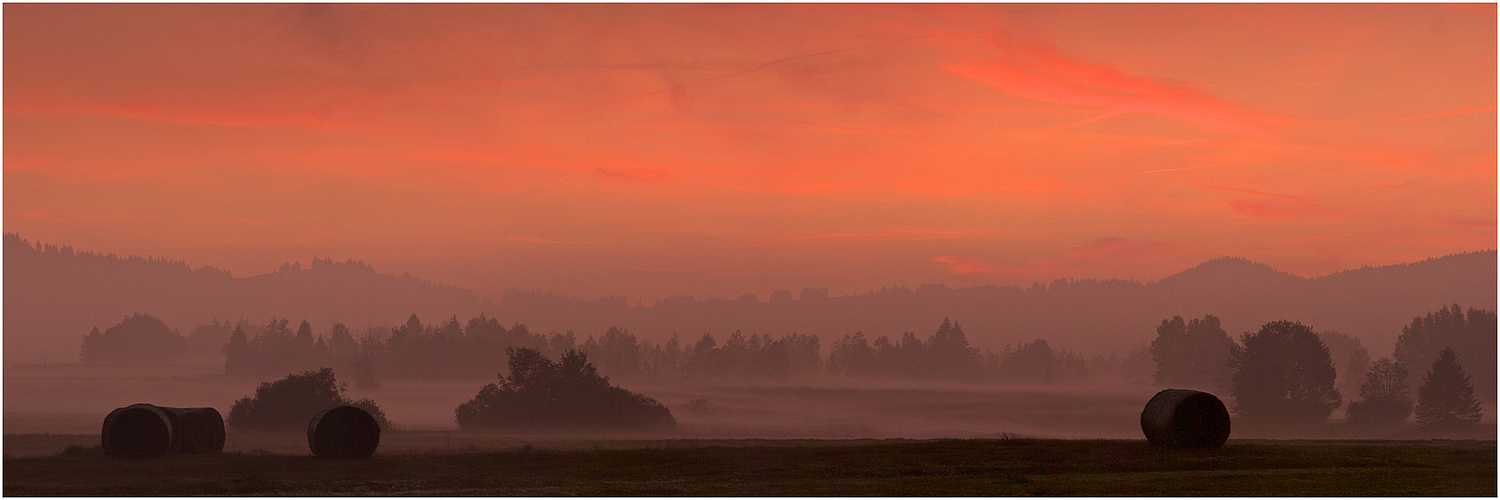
(1384, 399)
(1192, 354)
(1283, 375)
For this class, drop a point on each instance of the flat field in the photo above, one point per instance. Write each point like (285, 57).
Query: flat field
(950, 467)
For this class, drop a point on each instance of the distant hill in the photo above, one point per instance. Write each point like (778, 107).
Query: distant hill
(53, 296)
(1091, 316)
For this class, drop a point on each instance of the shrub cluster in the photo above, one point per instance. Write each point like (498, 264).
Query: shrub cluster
(288, 404)
(540, 394)
(139, 338)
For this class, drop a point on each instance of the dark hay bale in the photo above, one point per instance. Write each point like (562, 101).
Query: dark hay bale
(343, 432)
(1181, 418)
(199, 430)
(137, 431)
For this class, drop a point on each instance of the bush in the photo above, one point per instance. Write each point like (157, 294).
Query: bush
(288, 404)
(540, 394)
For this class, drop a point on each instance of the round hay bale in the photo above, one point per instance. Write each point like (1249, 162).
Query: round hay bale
(1181, 418)
(137, 431)
(343, 432)
(199, 430)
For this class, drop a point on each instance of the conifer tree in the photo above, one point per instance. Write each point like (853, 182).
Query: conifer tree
(1446, 399)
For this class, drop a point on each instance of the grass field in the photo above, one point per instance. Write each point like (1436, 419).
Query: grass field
(791, 467)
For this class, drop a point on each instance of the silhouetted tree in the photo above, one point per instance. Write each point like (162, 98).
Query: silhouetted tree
(1034, 361)
(92, 346)
(1192, 354)
(616, 352)
(139, 338)
(340, 342)
(950, 355)
(734, 355)
(1384, 399)
(852, 355)
(304, 336)
(570, 395)
(805, 352)
(1350, 360)
(1470, 334)
(1446, 400)
(288, 404)
(277, 349)
(702, 357)
(663, 360)
(1037, 361)
(1284, 374)
(237, 353)
(753, 356)
(560, 343)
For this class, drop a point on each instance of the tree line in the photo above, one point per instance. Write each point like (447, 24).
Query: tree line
(478, 347)
(1287, 374)
(1334, 367)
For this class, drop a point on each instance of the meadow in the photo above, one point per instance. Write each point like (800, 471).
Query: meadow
(947, 467)
(825, 437)
(73, 399)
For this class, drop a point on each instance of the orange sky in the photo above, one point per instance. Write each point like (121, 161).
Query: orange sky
(716, 150)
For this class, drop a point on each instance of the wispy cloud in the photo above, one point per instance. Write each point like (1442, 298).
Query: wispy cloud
(676, 87)
(533, 240)
(1044, 74)
(1284, 206)
(1464, 111)
(1252, 191)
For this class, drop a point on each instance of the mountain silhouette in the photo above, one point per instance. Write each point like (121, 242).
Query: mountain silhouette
(54, 296)
(1231, 272)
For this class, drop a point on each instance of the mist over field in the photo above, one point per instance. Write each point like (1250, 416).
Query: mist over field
(56, 294)
(716, 249)
(1070, 359)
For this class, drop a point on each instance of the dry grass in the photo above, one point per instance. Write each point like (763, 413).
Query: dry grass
(800, 468)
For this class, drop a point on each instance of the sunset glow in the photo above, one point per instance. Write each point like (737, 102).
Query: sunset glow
(716, 150)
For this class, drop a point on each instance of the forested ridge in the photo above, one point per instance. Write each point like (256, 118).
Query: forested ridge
(55, 294)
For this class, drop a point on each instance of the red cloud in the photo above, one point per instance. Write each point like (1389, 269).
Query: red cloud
(1286, 206)
(1043, 74)
(1464, 111)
